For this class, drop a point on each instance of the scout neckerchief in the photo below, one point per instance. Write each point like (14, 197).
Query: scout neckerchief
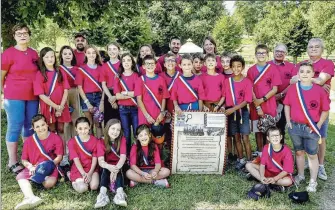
(42, 151)
(125, 87)
(262, 73)
(81, 146)
(174, 77)
(51, 89)
(112, 68)
(64, 68)
(188, 87)
(232, 91)
(114, 151)
(151, 94)
(303, 106)
(90, 77)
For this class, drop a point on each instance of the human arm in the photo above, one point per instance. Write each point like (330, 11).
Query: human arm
(235, 108)
(322, 79)
(287, 110)
(177, 108)
(140, 172)
(144, 111)
(3, 76)
(112, 99)
(323, 117)
(220, 104)
(162, 113)
(83, 96)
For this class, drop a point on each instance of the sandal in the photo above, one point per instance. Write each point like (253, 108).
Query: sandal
(14, 166)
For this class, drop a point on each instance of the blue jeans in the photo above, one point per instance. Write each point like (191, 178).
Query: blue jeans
(93, 98)
(303, 139)
(189, 106)
(129, 117)
(19, 115)
(239, 125)
(105, 179)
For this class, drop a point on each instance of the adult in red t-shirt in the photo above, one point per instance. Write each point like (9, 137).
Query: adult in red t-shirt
(287, 71)
(18, 69)
(80, 43)
(209, 46)
(174, 45)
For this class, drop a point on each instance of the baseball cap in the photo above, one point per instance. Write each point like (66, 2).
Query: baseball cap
(259, 191)
(43, 169)
(158, 133)
(299, 197)
(80, 35)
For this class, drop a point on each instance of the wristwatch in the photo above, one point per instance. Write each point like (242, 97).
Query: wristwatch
(163, 113)
(264, 98)
(282, 95)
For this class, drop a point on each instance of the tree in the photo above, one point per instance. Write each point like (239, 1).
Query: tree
(227, 34)
(322, 22)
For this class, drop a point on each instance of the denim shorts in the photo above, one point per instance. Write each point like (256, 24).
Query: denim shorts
(19, 114)
(236, 125)
(303, 138)
(189, 106)
(324, 128)
(93, 98)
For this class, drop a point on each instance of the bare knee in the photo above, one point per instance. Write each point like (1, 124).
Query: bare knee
(313, 157)
(49, 183)
(300, 153)
(130, 174)
(248, 166)
(80, 187)
(164, 172)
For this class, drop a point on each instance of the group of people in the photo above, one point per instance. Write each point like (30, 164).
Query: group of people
(121, 97)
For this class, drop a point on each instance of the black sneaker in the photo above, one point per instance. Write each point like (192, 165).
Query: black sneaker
(276, 188)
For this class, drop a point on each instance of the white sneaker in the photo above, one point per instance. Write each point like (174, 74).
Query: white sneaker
(298, 179)
(35, 201)
(25, 204)
(119, 199)
(312, 186)
(65, 161)
(102, 200)
(322, 173)
(162, 183)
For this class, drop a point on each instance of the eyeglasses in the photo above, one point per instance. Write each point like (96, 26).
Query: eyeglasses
(314, 47)
(261, 53)
(18, 34)
(170, 60)
(280, 52)
(150, 64)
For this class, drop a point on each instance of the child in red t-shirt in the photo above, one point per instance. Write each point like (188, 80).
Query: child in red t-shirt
(276, 163)
(145, 50)
(42, 146)
(52, 87)
(198, 62)
(83, 153)
(225, 61)
(112, 151)
(145, 161)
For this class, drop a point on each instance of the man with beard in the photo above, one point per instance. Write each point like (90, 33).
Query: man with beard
(79, 52)
(174, 45)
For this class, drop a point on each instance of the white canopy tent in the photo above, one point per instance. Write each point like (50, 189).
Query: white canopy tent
(189, 47)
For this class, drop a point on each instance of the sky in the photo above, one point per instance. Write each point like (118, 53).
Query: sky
(230, 6)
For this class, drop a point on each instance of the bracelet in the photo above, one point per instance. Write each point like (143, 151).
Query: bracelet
(142, 173)
(258, 108)
(86, 101)
(147, 116)
(163, 113)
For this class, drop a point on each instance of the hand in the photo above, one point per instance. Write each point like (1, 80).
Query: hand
(58, 113)
(159, 118)
(178, 110)
(258, 101)
(319, 125)
(216, 108)
(206, 109)
(150, 119)
(264, 180)
(278, 96)
(113, 168)
(88, 178)
(260, 113)
(289, 125)
(114, 106)
(153, 174)
(32, 170)
(294, 79)
(146, 175)
(89, 106)
(271, 180)
(125, 93)
(112, 177)
(326, 87)
(229, 111)
(112, 100)
(101, 106)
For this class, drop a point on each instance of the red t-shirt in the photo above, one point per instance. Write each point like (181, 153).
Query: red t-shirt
(21, 69)
(108, 75)
(178, 61)
(242, 92)
(156, 159)
(168, 79)
(158, 69)
(213, 86)
(80, 57)
(271, 78)
(181, 94)
(316, 101)
(53, 146)
(43, 88)
(73, 70)
(157, 85)
(130, 82)
(286, 70)
(284, 157)
(85, 82)
(111, 158)
(218, 68)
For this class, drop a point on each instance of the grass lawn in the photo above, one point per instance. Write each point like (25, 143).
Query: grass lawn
(187, 191)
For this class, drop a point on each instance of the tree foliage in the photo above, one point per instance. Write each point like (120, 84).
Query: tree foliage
(228, 33)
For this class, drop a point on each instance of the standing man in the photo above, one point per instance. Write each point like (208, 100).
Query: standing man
(174, 46)
(287, 71)
(324, 71)
(79, 52)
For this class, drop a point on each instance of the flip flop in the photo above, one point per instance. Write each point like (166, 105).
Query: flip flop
(13, 167)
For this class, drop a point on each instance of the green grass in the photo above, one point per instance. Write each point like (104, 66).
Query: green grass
(187, 191)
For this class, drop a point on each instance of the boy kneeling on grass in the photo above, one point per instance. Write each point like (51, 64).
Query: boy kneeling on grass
(276, 164)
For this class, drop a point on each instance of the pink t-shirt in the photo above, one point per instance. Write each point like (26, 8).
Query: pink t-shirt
(130, 81)
(156, 159)
(168, 79)
(218, 68)
(286, 70)
(316, 101)
(80, 57)
(74, 71)
(158, 69)
(111, 158)
(284, 157)
(76, 152)
(43, 88)
(227, 76)
(181, 94)
(53, 146)
(242, 92)
(85, 82)
(108, 75)
(213, 86)
(21, 69)
(271, 78)
(178, 61)
(157, 85)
